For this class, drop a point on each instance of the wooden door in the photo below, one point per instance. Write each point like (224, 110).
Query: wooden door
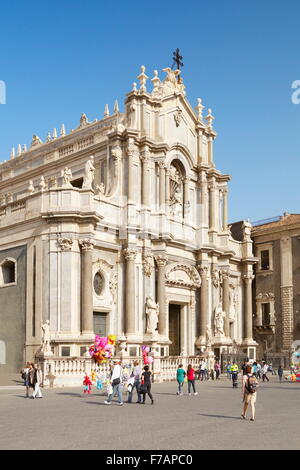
(174, 329)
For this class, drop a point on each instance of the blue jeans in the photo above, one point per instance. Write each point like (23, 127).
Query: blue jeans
(137, 385)
(191, 383)
(180, 385)
(116, 389)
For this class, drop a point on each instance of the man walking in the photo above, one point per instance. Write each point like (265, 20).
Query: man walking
(234, 374)
(265, 369)
(116, 382)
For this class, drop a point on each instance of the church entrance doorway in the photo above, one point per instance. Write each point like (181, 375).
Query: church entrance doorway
(174, 329)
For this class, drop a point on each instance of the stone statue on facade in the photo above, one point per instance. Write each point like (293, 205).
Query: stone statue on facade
(208, 337)
(89, 171)
(219, 320)
(152, 311)
(66, 174)
(176, 203)
(45, 347)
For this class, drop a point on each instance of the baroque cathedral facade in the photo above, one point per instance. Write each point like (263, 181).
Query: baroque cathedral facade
(120, 227)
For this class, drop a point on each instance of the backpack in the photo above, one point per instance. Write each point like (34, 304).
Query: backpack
(251, 384)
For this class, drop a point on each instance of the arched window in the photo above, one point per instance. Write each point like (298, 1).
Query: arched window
(7, 272)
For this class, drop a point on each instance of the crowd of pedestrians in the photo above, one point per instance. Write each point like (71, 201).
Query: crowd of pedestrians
(141, 378)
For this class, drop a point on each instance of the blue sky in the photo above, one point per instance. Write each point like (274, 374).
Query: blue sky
(61, 58)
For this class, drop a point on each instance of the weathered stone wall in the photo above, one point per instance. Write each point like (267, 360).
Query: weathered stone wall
(296, 283)
(13, 313)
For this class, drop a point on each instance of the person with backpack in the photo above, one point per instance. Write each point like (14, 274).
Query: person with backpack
(249, 388)
(24, 375)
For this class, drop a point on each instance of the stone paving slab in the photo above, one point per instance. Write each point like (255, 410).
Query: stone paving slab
(67, 419)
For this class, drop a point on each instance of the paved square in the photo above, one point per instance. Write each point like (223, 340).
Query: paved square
(66, 419)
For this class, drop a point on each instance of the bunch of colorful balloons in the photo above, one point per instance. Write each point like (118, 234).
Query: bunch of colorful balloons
(101, 350)
(147, 359)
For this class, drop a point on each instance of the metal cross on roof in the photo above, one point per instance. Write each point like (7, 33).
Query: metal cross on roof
(177, 59)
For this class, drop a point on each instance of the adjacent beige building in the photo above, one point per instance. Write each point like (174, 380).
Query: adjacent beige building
(121, 227)
(277, 284)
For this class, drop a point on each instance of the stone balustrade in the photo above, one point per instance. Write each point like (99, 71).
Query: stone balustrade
(69, 372)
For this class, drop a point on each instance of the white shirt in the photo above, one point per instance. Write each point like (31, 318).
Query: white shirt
(117, 372)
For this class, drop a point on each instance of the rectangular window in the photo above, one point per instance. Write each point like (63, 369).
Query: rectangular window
(82, 351)
(265, 260)
(265, 310)
(132, 352)
(100, 323)
(65, 351)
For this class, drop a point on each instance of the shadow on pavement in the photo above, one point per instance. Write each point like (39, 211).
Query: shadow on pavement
(79, 395)
(220, 416)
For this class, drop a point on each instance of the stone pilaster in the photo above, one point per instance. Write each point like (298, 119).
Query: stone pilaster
(203, 314)
(162, 187)
(161, 261)
(225, 209)
(286, 288)
(87, 246)
(248, 335)
(131, 182)
(226, 301)
(130, 255)
(145, 158)
(212, 205)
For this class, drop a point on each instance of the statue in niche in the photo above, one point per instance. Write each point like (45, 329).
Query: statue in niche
(152, 312)
(176, 203)
(46, 337)
(66, 174)
(89, 172)
(219, 320)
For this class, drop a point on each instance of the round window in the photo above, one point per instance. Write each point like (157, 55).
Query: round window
(98, 283)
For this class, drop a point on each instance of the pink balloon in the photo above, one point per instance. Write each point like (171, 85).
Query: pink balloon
(150, 359)
(147, 349)
(107, 347)
(103, 342)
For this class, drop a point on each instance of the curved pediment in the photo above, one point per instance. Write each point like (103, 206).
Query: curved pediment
(182, 275)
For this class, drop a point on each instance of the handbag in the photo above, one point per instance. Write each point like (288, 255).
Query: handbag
(116, 381)
(143, 388)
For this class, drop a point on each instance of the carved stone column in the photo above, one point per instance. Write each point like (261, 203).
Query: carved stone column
(203, 317)
(145, 158)
(130, 255)
(212, 205)
(131, 182)
(161, 261)
(167, 190)
(225, 209)
(87, 246)
(162, 186)
(226, 301)
(248, 278)
(186, 198)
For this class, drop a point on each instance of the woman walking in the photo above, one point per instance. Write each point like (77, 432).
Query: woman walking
(249, 387)
(180, 378)
(191, 379)
(24, 375)
(146, 385)
(38, 379)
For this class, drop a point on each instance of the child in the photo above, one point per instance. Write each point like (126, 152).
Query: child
(87, 385)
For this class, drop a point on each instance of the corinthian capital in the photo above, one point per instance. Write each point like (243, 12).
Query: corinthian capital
(248, 277)
(65, 244)
(161, 260)
(86, 244)
(129, 254)
(203, 270)
(225, 274)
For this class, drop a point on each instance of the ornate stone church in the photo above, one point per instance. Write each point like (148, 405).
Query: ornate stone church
(120, 227)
